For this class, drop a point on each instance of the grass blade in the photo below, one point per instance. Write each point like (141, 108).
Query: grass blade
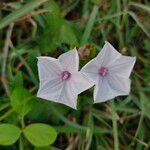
(21, 12)
(89, 26)
(144, 7)
(65, 120)
(111, 16)
(135, 18)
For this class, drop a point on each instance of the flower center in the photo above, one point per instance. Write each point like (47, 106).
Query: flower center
(65, 75)
(103, 71)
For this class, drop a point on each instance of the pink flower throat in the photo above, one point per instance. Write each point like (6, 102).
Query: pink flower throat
(65, 75)
(103, 71)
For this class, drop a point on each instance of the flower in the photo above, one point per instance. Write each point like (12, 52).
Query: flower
(60, 80)
(110, 72)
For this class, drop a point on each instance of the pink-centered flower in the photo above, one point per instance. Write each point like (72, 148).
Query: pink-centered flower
(110, 72)
(60, 80)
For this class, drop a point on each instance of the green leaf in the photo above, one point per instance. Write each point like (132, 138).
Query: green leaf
(67, 35)
(9, 134)
(20, 12)
(40, 134)
(20, 95)
(17, 81)
(55, 29)
(89, 25)
(49, 37)
(42, 148)
(53, 7)
(46, 148)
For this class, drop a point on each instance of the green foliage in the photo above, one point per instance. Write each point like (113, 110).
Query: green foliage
(57, 30)
(133, 15)
(21, 96)
(20, 12)
(67, 35)
(145, 105)
(45, 148)
(9, 134)
(141, 6)
(17, 81)
(40, 134)
(89, 26)
(49, 28)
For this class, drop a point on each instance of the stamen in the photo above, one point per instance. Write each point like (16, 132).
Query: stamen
(65, 75)
(103, 71)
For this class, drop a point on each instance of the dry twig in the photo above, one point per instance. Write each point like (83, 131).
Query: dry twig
(5, 55)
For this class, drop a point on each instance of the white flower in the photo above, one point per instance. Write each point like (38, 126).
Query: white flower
(110, 72)
(60, 80)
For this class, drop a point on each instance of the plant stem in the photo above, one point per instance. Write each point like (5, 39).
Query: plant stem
(22, 122)
(115, 128)
(91, 129)
(5, 55)
(20, 144)
(21, 138)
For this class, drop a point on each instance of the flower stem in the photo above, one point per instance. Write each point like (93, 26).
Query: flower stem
(115, 128)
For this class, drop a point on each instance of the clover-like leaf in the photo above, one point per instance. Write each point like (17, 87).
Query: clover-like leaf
(40, 135)
(9, 134)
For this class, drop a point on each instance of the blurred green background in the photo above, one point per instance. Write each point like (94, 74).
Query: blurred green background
(46, 27)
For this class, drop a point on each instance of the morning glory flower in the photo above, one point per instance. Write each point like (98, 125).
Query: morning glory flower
(110, 72)
(60, 80)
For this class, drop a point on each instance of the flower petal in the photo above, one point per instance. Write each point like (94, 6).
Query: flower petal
(80, 82)
(119, 85)
(50, 89)
(58, 91)
(102, 91)
(90, 70)
(110, 87)
(48, 67)
(107, 55)
(69, 60)
(68, 96)
(122, 66)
